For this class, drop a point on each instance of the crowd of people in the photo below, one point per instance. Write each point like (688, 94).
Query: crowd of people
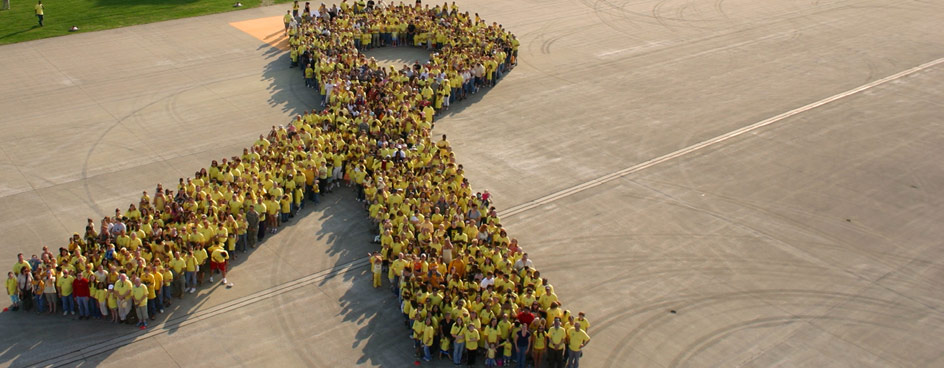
(466, 289)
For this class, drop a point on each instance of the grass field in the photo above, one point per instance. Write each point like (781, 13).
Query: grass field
(20, 24)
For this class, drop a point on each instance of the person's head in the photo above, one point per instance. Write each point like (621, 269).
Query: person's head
(19, 257)
(557, 321)
(10, 274)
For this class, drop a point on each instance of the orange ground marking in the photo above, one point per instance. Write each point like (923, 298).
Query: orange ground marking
(270, 30)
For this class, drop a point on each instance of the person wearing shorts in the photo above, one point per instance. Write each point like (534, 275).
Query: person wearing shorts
(287, 19)
(218, 262)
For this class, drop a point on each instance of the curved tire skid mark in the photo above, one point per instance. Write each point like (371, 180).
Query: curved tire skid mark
(686, 304)
(706, 342)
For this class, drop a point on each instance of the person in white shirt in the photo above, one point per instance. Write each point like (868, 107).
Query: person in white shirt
(523, 262)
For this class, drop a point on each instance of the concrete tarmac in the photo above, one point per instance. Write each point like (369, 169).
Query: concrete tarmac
(812, 240)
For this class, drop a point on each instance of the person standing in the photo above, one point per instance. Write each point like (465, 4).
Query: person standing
(376, 266)
(538, 344)
(577, 340)
(139, 296)
(287, 19)
(122, 289)
(39, 12)
(49, 291)
(429, 333)
(178, 266)
(24, 283)
(472, 338)
(218, 261)
(252, 218)
(458, 335)
(556, 341)
(80, 288)
(12, 291)
(523, 344)
(65, 293)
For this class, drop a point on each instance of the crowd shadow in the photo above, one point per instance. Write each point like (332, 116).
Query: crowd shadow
(286, 85)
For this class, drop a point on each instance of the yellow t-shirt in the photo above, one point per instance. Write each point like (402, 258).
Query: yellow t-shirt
(178, 265)
(201, 255)
(491, 334)
(148, 280)
(65, 285)
(472, 338)
(190, 263)
(112, 300)
(18, 267)
(540, 338)
(577, 338)
(556, 336)
(140, 293)
(220, 255)
(428, 334)
(122, 287)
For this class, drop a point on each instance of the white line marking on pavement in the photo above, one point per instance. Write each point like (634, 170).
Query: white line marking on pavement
(695, 147)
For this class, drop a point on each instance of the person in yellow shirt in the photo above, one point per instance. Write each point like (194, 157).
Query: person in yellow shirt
(39, 8)
(20, 264)
(200, 255)
(178, 266)
(556, 341)
(472, 339)
(168, 278)
(147, 278)
(101, 298)
(112, 297)
(286, 206)
(583, 322)
(577, 339)
(12, 291)
(190, 271)
(376, 267)
(65, 292)
(287, 19)
(218, 262)
(428, 336)
(309, 76)
(139, 297)
(492, 332)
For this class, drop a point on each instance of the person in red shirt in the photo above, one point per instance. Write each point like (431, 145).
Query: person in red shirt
(525, 316)
(80, 289)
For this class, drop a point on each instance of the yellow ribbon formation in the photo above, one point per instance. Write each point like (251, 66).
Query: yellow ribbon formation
(442, 245)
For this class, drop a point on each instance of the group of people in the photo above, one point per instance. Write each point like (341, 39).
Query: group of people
(465, 288)
(175, 240)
